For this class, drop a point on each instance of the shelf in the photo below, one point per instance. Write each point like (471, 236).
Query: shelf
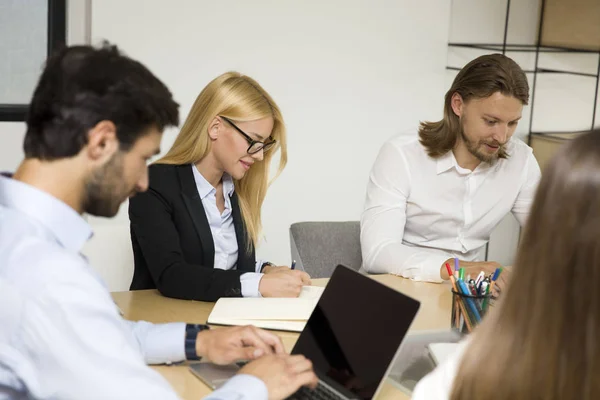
(546, 144)
(527, 48)
(545, 71)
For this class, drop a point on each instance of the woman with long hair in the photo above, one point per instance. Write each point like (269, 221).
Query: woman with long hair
(541, 341)
(195, 230)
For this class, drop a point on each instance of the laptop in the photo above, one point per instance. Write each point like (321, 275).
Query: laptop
(351, 337)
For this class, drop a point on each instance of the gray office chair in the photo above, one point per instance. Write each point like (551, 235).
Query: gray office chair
(318, 247)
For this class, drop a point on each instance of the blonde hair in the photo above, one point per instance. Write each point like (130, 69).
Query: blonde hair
(480, 78)
(239, 98)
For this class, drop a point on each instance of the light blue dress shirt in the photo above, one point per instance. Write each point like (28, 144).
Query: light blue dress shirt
(223, 231)
(61, 335)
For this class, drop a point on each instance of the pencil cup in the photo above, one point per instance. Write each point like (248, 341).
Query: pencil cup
(468, 310)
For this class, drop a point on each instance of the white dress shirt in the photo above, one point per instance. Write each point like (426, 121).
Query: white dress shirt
(437, 385)
(223, 231)
(61, 335)
(421, 211)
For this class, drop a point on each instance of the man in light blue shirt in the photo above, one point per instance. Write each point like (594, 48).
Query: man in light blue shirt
(95, 119)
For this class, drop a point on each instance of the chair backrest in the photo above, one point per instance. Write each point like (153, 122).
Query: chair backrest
(318, 247)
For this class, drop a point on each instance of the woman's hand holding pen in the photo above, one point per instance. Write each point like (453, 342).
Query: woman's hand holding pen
(282, 282)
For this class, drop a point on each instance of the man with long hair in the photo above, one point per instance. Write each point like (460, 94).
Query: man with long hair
(541, 339)
(95, 119)
(436, 199)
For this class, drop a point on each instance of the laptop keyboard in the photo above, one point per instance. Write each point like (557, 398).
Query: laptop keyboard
(322, 392)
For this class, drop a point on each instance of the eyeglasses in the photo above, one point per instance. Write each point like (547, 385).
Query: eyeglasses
(254, 145)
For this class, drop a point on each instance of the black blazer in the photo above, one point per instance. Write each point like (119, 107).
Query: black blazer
(173, 248)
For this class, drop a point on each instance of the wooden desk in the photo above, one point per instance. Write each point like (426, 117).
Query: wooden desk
(149, 305)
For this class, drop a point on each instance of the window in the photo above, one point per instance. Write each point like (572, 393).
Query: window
(30, 30)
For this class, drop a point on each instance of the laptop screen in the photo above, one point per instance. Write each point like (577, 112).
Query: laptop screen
(355, 330)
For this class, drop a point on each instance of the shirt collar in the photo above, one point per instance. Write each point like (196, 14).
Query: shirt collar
(205, 188)
(68, 227)
(228, 186)
(445, 162)
(448, 161)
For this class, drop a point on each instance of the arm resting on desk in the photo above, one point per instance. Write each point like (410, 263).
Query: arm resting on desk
(383, 221)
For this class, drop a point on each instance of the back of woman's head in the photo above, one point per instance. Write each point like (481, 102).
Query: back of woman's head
(239, 98)
(542, 341)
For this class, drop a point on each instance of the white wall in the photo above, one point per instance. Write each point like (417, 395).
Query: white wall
(346, 74)
(11, 144)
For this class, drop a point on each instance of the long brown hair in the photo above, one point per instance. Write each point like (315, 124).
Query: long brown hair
(239, 98)
(543, 340)
(480, 78)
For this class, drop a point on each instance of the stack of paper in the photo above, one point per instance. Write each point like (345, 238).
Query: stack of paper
(286, 314)
(440, 352)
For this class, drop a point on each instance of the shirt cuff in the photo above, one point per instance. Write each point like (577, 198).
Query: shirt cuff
(259, 264)
(241, 387)
(250, 282)
(162, 343)
(425, 267)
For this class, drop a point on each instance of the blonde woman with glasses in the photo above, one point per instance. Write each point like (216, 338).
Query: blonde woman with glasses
(195, 230)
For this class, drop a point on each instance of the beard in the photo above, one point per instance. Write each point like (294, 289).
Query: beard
(106, 189)
(475, 147)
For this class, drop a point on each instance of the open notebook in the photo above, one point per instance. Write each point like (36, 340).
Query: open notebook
(283, 314)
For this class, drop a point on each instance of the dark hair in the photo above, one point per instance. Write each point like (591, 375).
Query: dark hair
(81, 86)
(542, 340)
(480, 78)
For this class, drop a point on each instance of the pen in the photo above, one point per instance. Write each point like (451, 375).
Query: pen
(450, 274)
(461, 273)
(483, 288)
(485, 301)
(456, 263)
(479, 278)
(472, 288)
(460, 303)
(293, 265)
(472, 306)
(495, 277)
